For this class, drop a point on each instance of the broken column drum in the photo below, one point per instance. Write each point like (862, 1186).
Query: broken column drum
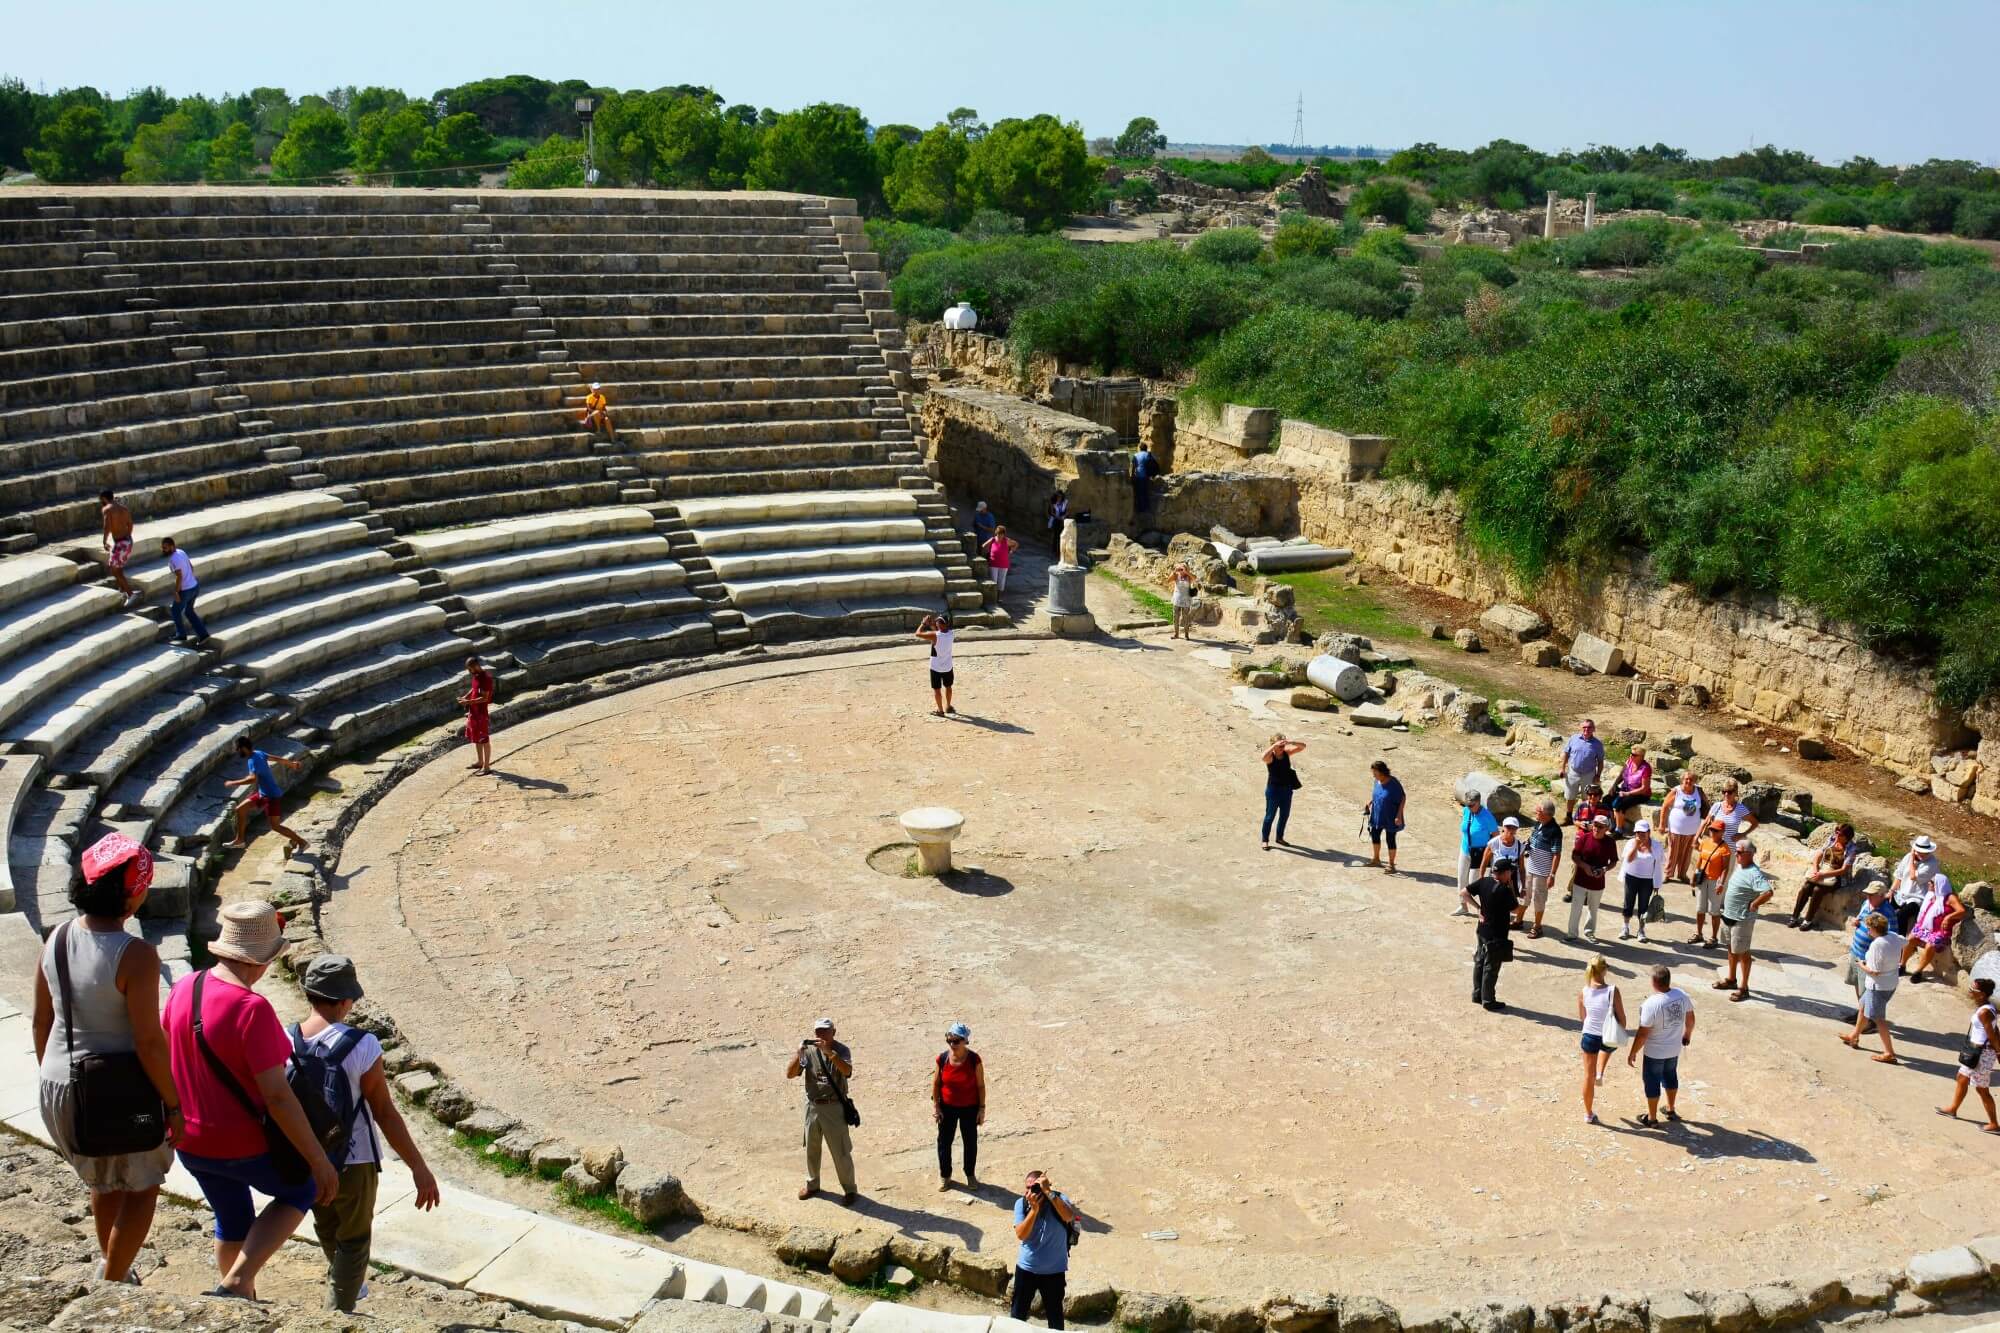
(1338, 677)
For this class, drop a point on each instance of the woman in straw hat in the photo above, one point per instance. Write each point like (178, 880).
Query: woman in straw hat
(97, 995)
(230, 1074)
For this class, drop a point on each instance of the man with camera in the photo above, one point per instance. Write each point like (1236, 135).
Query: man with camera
(826, 1065)
(1046, 1222)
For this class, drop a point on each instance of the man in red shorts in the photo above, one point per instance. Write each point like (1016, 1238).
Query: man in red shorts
(264, 794)
(118, 541)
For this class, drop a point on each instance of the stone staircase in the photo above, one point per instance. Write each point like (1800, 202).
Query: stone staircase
(357, 411)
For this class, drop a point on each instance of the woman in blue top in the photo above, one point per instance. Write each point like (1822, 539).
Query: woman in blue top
(1476, 828)
(1385, 815)
(1279, 784)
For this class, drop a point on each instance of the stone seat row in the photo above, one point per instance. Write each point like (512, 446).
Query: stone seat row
(77, 207)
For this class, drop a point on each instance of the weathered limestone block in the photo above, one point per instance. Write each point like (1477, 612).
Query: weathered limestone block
(1511, 622)
(857, 1257)
(1942, 1271)
(650, 1196)
(1152, 1312)
(1602, 657)
(1499, 799)
(1342, 456)
(986, 1274)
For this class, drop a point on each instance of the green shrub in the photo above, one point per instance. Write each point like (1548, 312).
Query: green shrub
(1230, 245)
(1833, 210)
(1324, 286)
(998, 277)
(1629, 243)
(898, 242)
(1299, 235)
(1385, 243)
(1490, 265)
(1152, 321)
(1393, 202)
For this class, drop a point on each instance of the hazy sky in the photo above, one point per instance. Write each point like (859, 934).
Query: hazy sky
(1894, 81)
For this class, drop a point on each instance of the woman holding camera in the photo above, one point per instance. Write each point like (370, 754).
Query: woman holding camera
(937, 632)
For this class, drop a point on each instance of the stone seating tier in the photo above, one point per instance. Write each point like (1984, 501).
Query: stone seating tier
(288, 381)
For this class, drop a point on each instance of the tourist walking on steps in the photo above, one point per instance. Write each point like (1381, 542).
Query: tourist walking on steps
(1184, 591)
(1711, 875)
(1495, 896)
(984, 524)
(1000, 557)
(1386, 803)
(1878, 967)
(1058, 511)
(1545, 850)
(348, 1066)
(1044, 1222)
(1633, 790)
(597, 412)
(1680, 815)
(1912, 879)
(245, 1128)
(1476, 828)
(937, 632)
(1666, 1028)
(1736, 817)
(1279, 784)
(118, 543)
(1601, 1006)
(1830, 867)
(1592, 855)
(1748, 890)
(476, 700)
(1144, 468)
(825, 1065)
(958, 1103)
(1640, 864)
(263, 794)
(1581, 765)
(97, 1023)
(1937, 919)
(185, 588)
(1975, 1059)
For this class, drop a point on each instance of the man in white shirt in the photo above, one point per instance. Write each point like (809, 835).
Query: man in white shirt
(1879, 974)
(185, 587)
(1666, 1026)
(1912, 880)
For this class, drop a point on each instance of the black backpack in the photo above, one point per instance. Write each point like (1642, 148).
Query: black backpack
(321, 1086)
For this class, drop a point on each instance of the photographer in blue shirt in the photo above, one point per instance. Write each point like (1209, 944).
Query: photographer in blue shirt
(1045, 1220)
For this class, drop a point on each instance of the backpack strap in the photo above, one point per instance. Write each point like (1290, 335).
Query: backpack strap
(222, 1071)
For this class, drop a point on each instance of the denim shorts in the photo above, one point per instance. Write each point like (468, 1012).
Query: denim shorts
(1658, 1074)
(1592, 1044)
(226, 1182)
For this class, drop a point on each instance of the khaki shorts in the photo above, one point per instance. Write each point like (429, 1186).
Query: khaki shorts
(1538, 892)
(1738, 935)
(1707, 897)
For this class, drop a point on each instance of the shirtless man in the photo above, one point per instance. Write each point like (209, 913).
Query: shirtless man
(118, 541)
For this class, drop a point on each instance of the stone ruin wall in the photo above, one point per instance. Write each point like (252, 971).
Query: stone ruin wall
(1759, 656)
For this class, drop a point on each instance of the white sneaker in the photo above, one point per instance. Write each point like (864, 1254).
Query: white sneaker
(1461, 911)
(1624, 934)
(1643, 939)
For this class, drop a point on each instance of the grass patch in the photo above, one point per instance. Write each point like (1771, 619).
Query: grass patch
(1535, 711)
(1325, 597)
(1152, 601)
(604, 1206)
(878, 1289)
(478, 1145)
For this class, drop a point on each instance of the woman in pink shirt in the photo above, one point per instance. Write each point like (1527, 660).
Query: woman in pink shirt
(1000, 556)
(230, 1073)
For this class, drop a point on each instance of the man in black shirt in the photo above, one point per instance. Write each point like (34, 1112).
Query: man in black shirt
(1495, 896)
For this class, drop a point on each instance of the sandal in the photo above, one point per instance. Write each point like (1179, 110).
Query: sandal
(1649, 1122)
(1852, 1043)
(1949, 1115)
(1989, 1129)
(1722, 985)
(1739, 997)
(1887, 1060)
(1673, 1115)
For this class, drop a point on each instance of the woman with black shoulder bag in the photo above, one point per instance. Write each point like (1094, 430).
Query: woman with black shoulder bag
(108, 1097)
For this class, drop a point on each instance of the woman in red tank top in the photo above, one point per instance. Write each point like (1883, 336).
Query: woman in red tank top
(958, 1101)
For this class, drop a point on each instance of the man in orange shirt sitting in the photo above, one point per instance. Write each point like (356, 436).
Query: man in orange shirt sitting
(597, 412)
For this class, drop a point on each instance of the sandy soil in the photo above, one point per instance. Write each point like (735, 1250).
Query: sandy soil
(1271, 1055)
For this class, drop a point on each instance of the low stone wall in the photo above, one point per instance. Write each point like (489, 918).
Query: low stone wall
(1762, 657)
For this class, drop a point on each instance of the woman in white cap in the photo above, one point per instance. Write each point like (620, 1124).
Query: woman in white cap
(1912, 880)
(97, 1019)
(958, 1102)
(229, 1054)
(1643, 865)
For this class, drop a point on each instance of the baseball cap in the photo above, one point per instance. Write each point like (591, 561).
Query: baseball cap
(824, 1025)
(1643, 826)
(331, 977)
(1602, 821)
(1510, 822)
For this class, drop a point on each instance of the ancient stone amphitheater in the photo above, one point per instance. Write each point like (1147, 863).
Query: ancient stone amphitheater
(357, 411)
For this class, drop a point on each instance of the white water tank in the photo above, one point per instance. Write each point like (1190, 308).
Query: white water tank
(962, 317)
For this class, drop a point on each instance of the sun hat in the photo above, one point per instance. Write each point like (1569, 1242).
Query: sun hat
(1510, 822)
(1602, 821)
(960, 1031)
(1643, 826)
(1922, 843)
(331, 977)
(824, 1025)
(251, 933)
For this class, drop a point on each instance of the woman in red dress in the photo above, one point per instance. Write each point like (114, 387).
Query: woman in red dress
(478, 728)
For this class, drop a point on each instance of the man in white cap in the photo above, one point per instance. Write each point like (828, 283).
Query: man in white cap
(1912, 881)
(1749, 889)
(597, 411)
(825, 1065)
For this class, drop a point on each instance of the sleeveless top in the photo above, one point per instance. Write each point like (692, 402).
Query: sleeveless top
(1278, 774)
(1596, 1009)
(958, 1085)
(1975, 1032)
(102, 1025)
